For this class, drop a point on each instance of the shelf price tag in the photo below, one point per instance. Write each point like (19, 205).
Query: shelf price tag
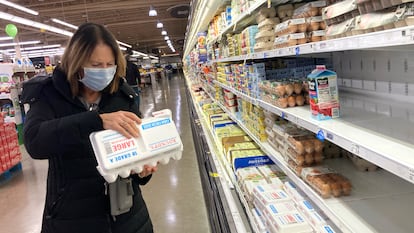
(297, 51)
(283, 115)
(320, 135)
(355, 149)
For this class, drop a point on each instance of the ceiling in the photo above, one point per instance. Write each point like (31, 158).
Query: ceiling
(128, 20)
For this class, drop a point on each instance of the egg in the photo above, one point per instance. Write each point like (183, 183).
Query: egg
(300, 100)
(283, 102)
(314, 26)
(300, 160)
(325, 191)
(322, 25)
(314, 11)
(316, 38)
(346, 188)
(302, 27)
(292, 42)
(299, 148)
(309, 159)
(336, 189)
(318, 158)
(280, 89)
(291, 101)
(289, 89)
(308, 145)
(318, 145)
(297, 87)
(303, 41)
(292, 29)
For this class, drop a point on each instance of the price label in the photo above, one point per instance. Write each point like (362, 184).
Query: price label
(320, 135)
(283, 115)
(322, 45)
(297, 51)
(329, 136)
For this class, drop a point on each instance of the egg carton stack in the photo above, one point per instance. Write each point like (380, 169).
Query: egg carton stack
(375, 16)
(340, 18)
(248, 40)
(306, 25)
(282, 209)
(272, 121)
(266, 20)
(283, 94)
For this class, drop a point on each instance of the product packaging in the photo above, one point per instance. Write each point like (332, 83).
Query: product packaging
(159, 141)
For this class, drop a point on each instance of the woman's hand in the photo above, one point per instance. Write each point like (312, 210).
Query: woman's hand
(148, 170)
(123, 122)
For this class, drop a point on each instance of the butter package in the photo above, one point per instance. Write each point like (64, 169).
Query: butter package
(290, 222)
(117, 155)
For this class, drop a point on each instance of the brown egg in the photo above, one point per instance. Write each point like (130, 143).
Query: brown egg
(314, 11)
(289, 89)
(316, 38)
(325, 191)
(300, 160)
(303, 41)
(346, 188)
(309, 159)
(322, 25)
(297, 87)
(292, 29)
(307, 99)
(283, 102)
(314, 26)
(299, 148)
(308, 145)
(336, 189)
(280, 90)
(300, 100)
(291, 101)
(292, 42)
(302, 27)
(318, 145)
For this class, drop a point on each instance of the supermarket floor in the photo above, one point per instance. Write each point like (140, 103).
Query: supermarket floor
(174, 196)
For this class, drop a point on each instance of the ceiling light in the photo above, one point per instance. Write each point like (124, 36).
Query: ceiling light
(35, 24)
(166, 38)
(163, 32)
(6, 38)
(64, 23)
(18, 7)
(36, 47)
(159, 24)
(152, 11)
(20, 43)
(124, 44)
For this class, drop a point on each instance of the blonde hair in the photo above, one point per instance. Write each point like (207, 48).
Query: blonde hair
(80, 48)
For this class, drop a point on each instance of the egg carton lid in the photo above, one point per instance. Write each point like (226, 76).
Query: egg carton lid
(117, 155)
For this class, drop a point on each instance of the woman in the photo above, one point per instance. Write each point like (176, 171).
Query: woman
(85, 94)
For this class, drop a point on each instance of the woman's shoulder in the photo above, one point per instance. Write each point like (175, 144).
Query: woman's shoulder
(33, 87)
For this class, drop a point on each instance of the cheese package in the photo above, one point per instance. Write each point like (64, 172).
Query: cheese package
(258, 219)
(264, 198)
(117, 155)
(273, 210)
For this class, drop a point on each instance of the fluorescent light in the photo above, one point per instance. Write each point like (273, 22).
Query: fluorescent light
(166, 38)
(153, 57)
(35, 24)
(18, 7)
(124, 44)
(20, 43)
(6, 38)
(145, 58)
(37, 47)
(152, 11)
(159, 24)
(163, 32)
(64, 23)
(122, 48)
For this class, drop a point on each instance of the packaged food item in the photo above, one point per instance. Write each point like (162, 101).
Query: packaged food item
(249, 185)
(277, 209)
(266, 195)
(116, 155)
(325, 229)
(259, 219)
(326, 181)
(340, 12)
(291, 189)
(310, 9)
(316, 220)
(290, 222)
(323, 94)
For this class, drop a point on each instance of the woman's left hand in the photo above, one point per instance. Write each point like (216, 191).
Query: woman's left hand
(148, 170)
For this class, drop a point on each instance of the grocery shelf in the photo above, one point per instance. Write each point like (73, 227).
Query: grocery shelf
(358, 132)
(237, 22)
(370, 191)
(223, 175)
(376, 40)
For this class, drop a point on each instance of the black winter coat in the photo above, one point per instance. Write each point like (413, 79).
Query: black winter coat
(57, 128)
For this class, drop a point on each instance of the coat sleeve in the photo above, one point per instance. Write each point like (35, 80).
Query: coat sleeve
(44, 134)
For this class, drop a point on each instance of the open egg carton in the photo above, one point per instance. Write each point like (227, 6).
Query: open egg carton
(159, 141)
(340, 12)
(284, 94)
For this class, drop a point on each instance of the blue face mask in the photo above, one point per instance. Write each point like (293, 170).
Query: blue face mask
(98, 78)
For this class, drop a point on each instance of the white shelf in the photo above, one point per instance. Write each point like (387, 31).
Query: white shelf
(234, 25)
(379, 193)
(349, 132)
(388, 38)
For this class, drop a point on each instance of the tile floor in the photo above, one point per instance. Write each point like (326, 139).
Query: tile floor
(174, 196)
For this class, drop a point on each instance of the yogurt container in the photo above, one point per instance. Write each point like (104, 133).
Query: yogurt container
(119, 156)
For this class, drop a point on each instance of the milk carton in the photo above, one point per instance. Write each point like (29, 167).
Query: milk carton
(117, 155)
(323, 93)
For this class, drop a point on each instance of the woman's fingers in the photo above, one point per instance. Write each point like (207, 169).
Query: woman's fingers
(123, 122)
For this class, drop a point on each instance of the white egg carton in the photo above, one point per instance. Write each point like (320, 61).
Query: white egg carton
(159, 141)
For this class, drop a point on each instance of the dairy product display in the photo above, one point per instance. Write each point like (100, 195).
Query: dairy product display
(117, 155)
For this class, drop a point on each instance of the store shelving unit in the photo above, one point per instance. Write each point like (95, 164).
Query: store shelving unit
(347, 212)
(233, 213)
(372, 83)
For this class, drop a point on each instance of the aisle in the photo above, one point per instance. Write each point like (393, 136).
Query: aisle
(174, 195)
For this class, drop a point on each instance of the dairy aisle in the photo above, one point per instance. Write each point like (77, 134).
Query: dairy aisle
(174, 196)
